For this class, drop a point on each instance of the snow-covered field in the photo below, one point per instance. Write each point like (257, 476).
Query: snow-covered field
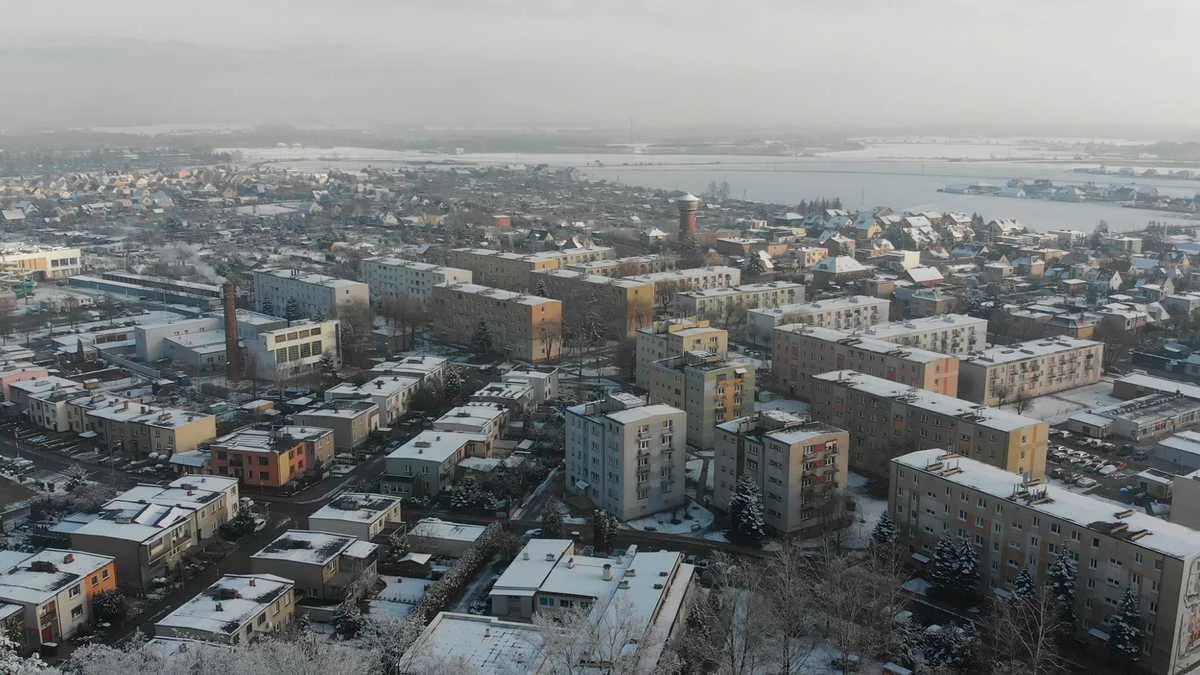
(701, 520)
(399, 597)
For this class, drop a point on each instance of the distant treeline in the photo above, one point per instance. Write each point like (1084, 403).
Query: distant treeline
(56, 160)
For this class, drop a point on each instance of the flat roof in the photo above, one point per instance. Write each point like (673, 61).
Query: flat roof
(1084, 510)
(40, 576)
(433, 445)
(642, 412)
(894, 330)
(240, 597)
(310, 278)
(482, 644)
(358, 507)
(528, 571)
(1022, 351)
(436, 528)
(496, 294)
(864, 343)
(306, 547)
(818, 306)
(992, 418)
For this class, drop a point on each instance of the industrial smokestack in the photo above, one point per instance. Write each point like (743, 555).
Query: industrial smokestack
(233, 355)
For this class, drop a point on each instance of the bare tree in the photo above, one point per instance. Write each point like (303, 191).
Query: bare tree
(1023, 634)
(729, 626)
(586, 639)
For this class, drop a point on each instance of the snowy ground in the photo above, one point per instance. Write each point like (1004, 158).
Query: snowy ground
(799, 408)
(867, 511)
(1056, 408)
(701, 520)
(399, 597)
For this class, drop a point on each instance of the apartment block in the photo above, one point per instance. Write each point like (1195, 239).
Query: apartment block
(237, 609)
(625, 267)
(710, 389)
(314, 296)
(390, 394)
(408, 278)
(425, 464)
(800, 351)
(854, 312)
(54, 589)
(671, 337)
(627, 457)
(948, 333)
(723, 303)
(800, 466)
(143, 429)
(886, 419)
(350, 421)
(511, 271)
(424, 367)
(618, 306)
(322, 565)
(357, 514)
(147, 541)
(1024, 370)
(1017, 524)
(667, 284)
(41, 262)
(527, 327)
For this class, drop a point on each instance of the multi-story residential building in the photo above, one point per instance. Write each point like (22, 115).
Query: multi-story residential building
(357, 514)
(1029, 369)
(627, 457)
(949, 333)
(323, 565)
(214, 499)
(350, 421)
(234, 610)
(391, 394)
(710, 389)
(511, 271)
(1017, 524)
(617, 307)
(424, 367)
(259, 457)
(41, 262)
(314, 296)
(723, 303)
(625, 267)
(807, 256)
(143, 429)
(799, 466)
(672, 337)
(800, 351)
(482, 418)
(425, 464)
(526, 327)
(855, 312)
(667, 284)
(18, 371)
(408, 278)
(54, 589)
(886, 419)
(46, 400)
(319, 444)
(148, 541)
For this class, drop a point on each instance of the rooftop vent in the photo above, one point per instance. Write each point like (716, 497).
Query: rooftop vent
(549, 557)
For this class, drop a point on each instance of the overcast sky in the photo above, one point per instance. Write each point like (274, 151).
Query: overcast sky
(799, 63)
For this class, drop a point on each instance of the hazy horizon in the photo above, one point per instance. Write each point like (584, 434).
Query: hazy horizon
(821, 65)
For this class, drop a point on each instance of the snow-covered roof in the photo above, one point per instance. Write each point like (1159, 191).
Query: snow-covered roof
(436, 528)
(358, 507)
(482, 644)
(39, 577)
(306, 547)
(223, 608)
(1093, 513)
(435, 445)
(526, 574)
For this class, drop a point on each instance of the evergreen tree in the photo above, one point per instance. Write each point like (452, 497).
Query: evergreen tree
(465, 494)
(604, 526)
(268, 307)
(1023, 586)
(950, 648)
(1125, 632)
(291, 311)
(481, 341)
(540, 289)
(552, 521)
(945, 566)
(746, 512)
(754, 265)
(452, 384)
(885, 531)
(967, 581)
(1060, 576)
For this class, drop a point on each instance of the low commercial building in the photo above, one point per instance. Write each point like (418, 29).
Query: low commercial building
(801, 351)
(1181, 451)
(18, 371)
(234, 610)
(724, 304)
(43, 263)
(442, 537)
(425, 464)
(278, 350)
(1029, 369)
(855, 312)
(390, 394)
(618, 307)
(512, 271)
(799, 466)
(886, 419)
(408, 278)
(1150, 416)
(54, 589)
(525, 327)
(296, 295)
(626, 456)
(323, 565)
(1016, 524)
(357, 514)
(672, 337)
(350, 421)
(710, 389)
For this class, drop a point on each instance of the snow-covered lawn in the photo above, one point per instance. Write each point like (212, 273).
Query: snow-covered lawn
(867, 511)
(701, 519)
(403, 589)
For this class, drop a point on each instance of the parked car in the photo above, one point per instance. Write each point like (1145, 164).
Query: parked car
(340, 470)
(1086, 482)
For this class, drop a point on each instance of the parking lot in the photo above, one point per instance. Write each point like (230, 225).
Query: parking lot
(1094, 466)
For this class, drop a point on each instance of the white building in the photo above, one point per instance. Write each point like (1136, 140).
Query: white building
(234, 610)
(394, 276)
(627, 457)
(357, 514)
(854, 312)
(54, 589)
(391, 394)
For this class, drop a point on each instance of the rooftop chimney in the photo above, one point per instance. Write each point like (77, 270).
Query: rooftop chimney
(606, 572)
(233, 354)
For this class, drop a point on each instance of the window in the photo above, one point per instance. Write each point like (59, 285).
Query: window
(262, 461)
(95, 580)
(77, 611)
(546, 602)
(1074, 535)
(1092, 564)
(1158, 564)
(104, 573)
(262, 618)
(1095, 542)
(1055, 528)
(264, 475)
(1137, 557)
(73, 592)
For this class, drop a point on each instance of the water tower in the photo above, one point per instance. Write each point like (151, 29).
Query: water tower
(688, 205)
